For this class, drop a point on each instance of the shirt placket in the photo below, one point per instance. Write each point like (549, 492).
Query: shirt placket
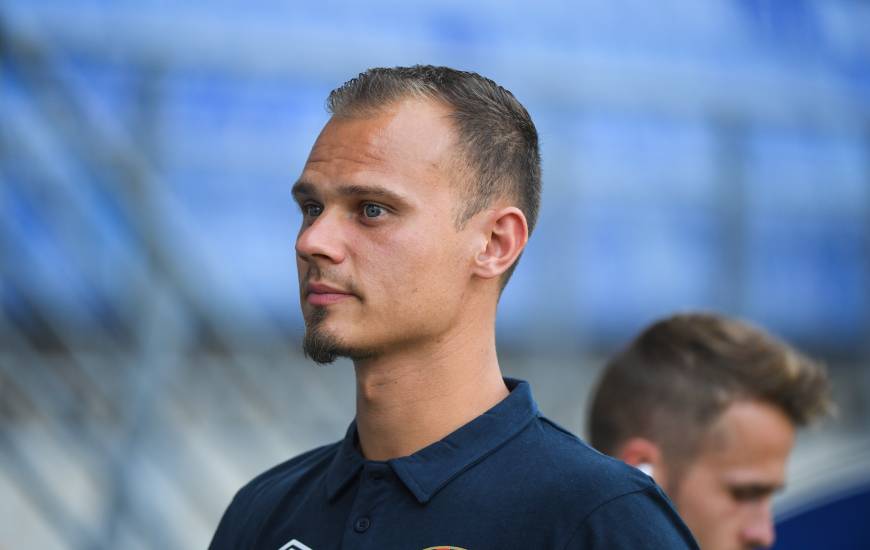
(366, 517)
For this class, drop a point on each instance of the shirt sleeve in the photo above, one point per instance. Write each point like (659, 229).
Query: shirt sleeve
(226, 534)
(641, 519)
(236, 525)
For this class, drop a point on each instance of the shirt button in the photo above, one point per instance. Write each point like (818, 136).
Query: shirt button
(377, 476)
(362, 524)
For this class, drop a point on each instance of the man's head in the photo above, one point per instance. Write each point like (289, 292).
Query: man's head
(417, 198)
(710, 406)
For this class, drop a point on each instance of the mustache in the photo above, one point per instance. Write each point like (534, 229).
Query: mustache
(330, 277)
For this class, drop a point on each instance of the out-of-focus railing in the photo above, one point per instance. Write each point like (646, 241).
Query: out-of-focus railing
(149, 360)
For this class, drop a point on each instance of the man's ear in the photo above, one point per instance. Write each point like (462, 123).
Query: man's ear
(505, 232)
(644, 455)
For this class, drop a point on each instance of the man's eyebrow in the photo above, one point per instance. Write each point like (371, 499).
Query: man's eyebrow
(306, 189)
(756, 488)
(372, 191)
(302, 189)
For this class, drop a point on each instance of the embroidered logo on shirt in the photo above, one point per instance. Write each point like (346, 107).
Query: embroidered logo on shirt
(294, 545)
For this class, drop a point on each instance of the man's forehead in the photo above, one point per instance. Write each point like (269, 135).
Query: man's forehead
(360, 154)
(744, 419)
(748, 444)
(332, 169)
(412, 131)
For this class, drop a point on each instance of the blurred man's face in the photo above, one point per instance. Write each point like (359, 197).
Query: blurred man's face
(381, 264)
(725, 495)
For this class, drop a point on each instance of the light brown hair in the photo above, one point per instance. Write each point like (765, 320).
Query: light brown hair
(673, 381)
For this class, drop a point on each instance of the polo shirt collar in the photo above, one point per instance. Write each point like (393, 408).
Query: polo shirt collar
(428, 470)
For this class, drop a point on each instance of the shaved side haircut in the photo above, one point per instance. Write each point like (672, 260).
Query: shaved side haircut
(675, 379)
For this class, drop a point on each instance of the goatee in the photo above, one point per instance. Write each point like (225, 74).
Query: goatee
(323, 347)
(319, 345)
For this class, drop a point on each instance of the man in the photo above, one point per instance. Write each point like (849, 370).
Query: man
(708, 406)
(417, 200)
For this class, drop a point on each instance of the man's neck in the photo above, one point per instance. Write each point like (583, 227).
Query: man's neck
(409, 400)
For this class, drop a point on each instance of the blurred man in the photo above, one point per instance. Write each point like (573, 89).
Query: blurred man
(417, 200)
(708, 406)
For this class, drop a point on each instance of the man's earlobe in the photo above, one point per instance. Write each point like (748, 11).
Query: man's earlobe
(638, 450)
(644, 455)
(506, 232)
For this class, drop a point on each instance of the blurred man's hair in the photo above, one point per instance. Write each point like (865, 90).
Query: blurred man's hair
(498, 142)
(673, 381)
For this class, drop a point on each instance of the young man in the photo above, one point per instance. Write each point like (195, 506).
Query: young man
(417, 200)
(708, 406)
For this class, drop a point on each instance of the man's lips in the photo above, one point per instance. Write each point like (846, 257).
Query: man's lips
(319, 294)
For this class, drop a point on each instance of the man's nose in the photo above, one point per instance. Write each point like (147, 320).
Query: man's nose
(321, 239)
(760, 532)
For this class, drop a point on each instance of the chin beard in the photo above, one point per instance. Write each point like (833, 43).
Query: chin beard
(323, 347)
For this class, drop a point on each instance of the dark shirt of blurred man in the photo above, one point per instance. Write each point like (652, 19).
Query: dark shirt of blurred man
(708, 406)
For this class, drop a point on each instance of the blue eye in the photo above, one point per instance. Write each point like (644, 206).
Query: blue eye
(372, 210)
(312, 210)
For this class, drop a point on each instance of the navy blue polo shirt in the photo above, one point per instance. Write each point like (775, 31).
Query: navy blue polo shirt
(510, 478)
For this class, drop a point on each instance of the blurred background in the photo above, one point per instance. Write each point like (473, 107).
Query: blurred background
(697, 155)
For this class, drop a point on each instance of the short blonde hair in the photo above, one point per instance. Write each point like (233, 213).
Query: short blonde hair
(674, 380)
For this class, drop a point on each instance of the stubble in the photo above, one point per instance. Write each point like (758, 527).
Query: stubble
(323, 347)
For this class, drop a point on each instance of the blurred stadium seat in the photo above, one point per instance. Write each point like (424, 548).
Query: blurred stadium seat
(696, 155)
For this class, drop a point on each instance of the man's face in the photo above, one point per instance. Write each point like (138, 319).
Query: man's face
(381, 265)
(725, 494)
